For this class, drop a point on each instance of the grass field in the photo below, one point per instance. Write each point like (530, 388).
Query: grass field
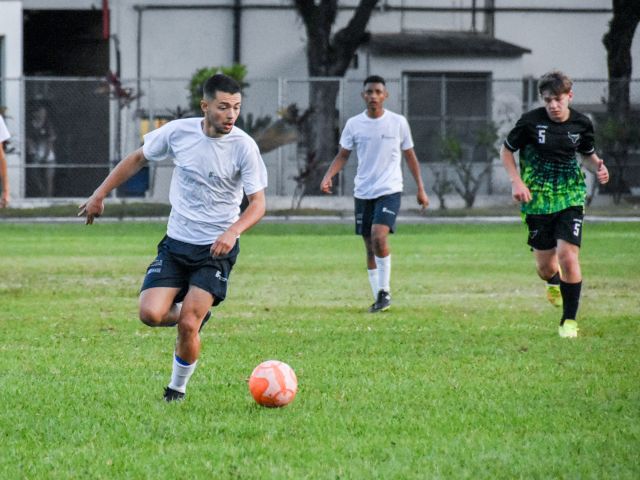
(464, 378)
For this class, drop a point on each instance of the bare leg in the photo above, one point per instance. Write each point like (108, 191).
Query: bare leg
(546, 263)
(157, 307)
(195, 306)
(379, 237)
(568, 257)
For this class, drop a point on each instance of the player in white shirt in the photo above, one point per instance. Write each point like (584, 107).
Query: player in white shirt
(4, 179)
(380, 138)
(214, 161)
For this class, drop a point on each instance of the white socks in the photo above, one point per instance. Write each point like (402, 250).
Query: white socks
(373, 281)
(181, 374)
(384, 273)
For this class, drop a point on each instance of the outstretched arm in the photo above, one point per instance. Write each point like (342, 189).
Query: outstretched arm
(596, 165)
(338, 164)
(4, 200)
(126, 169)
(414, 167)
(252, 215)
(519, 191)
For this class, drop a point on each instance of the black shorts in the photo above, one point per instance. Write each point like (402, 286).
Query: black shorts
(545, 230)
(180, 264)
(382, 210)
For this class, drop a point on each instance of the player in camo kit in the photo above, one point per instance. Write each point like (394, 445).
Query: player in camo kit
(552, 190)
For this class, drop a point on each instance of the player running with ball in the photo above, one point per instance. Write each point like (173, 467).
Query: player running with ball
(213, 161)
(552, 190)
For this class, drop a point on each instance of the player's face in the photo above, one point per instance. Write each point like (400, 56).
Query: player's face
(221, 113)
(557, 106)
(374, 95)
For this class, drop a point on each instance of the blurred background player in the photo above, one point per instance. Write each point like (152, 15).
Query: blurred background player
(380, 137)
(4, 178)
(552, 189)
(213, 161)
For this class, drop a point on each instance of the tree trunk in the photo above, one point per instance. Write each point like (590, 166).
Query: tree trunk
(327, 56)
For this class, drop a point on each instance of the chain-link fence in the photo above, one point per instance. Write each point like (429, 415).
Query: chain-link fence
(67, 133)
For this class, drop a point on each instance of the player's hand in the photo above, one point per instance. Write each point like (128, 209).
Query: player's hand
(423, 199)
(520, 192)
(326, 185)
(602, 173)
(92, 208)
(4, 200)
(224, 243)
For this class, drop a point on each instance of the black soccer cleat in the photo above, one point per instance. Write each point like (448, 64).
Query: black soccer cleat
(382, 303)
(204, 320)
(171, 395)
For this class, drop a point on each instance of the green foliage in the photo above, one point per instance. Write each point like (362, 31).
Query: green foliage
(236, 71)
(464, 377)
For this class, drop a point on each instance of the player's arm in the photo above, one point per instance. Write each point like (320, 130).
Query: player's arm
(519, 190)
(597, 166)
(338, 164)
(252, 215)
(4, 200)
(126, 169)
(414, 167)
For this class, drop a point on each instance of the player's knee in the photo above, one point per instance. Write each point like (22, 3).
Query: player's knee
(188, 326)
(379, 244)
(545, 272)
(150, 317)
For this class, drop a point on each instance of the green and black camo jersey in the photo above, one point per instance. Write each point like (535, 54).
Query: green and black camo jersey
(549, 165)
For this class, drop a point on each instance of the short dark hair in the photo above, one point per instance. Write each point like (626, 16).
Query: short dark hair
(220, 83)
(374, 79)
(555, 82)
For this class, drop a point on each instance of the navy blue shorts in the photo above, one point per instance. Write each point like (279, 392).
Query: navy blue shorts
(180, 264)
(382, 211)
(545, 230)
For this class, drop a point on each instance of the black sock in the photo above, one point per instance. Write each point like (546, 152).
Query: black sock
(555, 280)
(570, 300)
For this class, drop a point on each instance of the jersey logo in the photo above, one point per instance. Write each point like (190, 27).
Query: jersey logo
(574, 137)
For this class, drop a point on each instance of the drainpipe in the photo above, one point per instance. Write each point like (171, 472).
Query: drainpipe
(237, 30)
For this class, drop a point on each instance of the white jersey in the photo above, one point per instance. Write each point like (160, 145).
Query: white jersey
(379, 143)
(4, 131)
(207, 181)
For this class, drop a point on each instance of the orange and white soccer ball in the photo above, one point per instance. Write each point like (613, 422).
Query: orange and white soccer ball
(273, 384)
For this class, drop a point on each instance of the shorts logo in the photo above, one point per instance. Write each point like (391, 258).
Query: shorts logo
(386, 210)
(574, 137)
(155, 267)
(220, 277)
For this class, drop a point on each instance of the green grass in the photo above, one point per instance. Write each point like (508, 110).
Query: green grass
(464, 378)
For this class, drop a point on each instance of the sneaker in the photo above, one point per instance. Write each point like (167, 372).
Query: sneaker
(569, 329)
(204, 321)
(554, 295)
(171, 395)
(382, 303)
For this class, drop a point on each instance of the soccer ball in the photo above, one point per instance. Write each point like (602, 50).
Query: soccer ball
(273, 384)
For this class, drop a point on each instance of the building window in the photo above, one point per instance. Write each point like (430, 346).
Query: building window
(447, 104)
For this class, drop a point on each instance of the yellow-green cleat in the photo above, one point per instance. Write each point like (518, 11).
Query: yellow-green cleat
(569, 329)
(554, 295)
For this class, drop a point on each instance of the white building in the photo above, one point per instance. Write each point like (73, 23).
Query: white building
(465, 58)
